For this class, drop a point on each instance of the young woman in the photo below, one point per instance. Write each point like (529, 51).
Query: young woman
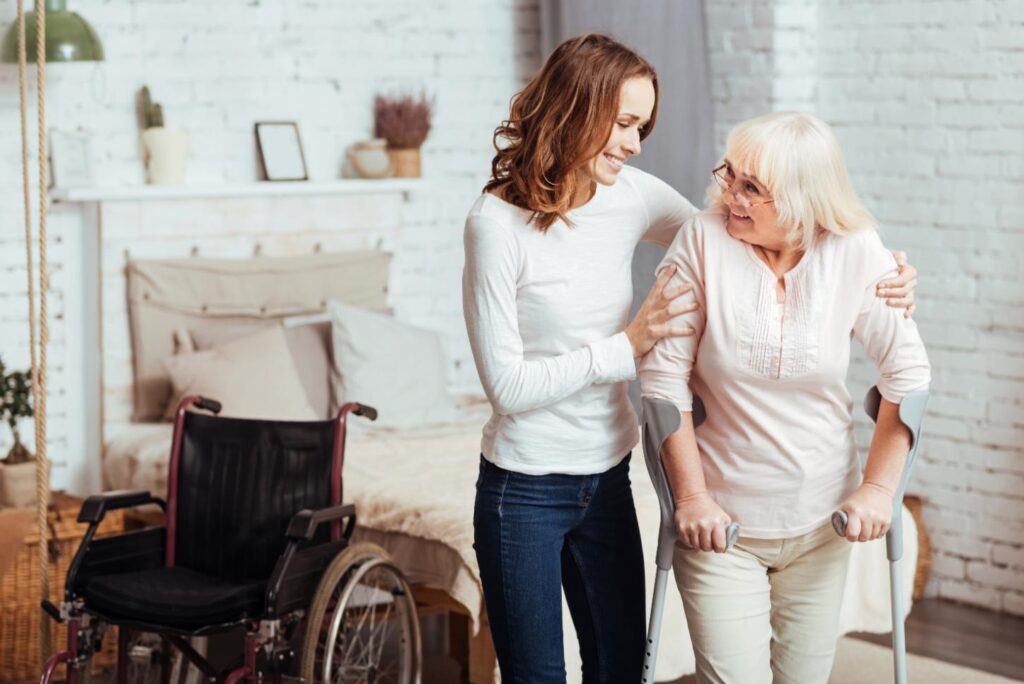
(785, 264)
(547, 293)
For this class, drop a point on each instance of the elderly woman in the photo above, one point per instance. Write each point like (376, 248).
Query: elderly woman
(785, 265)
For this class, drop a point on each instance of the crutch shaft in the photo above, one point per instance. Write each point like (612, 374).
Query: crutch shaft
(654, 630)
(899, 647)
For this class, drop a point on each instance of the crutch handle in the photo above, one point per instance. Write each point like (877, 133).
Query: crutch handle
(839, 521)
(732, 533)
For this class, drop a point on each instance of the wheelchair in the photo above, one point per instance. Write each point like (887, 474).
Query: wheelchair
(256, 540)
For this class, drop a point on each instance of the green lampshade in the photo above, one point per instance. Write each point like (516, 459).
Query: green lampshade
(69, 37)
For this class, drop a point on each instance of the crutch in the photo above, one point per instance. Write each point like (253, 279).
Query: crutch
(661, 419)
(911, 414)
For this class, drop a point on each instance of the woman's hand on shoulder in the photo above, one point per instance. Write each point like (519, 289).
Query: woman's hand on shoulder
(662, 304)
(899, 291)
(701, 523)
(869, 511)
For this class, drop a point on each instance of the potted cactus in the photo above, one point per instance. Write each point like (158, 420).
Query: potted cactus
(166, 149)
(404, 121)
(17, 469)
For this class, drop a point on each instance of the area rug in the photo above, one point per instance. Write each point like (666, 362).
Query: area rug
(861, 662)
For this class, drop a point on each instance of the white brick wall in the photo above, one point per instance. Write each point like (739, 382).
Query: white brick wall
(740, 41)
(928, 101)
(218, 68)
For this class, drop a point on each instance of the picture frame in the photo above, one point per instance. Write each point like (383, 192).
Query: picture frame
(71, 162)
(280, 151)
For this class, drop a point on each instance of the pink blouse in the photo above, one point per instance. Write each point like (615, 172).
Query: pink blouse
(777, 446)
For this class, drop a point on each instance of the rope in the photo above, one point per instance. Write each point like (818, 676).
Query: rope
(38, 361)
(42, 456)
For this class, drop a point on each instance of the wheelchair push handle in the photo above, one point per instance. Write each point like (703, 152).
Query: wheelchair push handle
(207, 404)
(365, 411)
(362, 410)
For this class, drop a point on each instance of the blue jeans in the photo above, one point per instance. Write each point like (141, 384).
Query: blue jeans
(537, 534)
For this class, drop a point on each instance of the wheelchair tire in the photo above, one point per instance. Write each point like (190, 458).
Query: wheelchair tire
(362, 624)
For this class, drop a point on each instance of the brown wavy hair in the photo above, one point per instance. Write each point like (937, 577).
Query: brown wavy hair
(560, 121)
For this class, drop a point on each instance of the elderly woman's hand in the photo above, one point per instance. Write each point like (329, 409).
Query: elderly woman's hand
(662, 304)
(899, 291)
(869, 510)
(701, 523)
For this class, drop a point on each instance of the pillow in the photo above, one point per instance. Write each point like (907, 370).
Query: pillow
(252, 377)
(397, 368)
(309, 343)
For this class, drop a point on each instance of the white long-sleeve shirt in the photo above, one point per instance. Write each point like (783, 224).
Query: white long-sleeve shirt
(546, 314)
(777, 446)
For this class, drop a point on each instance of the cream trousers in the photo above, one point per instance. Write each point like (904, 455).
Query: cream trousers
(767, 610)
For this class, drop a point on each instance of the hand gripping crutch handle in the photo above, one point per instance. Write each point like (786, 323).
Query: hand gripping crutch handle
(660, 419)
(911, 414)
(893, 538)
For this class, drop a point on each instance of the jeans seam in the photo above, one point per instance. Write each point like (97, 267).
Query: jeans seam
(504, 580)
(501, 494)
(601, 669)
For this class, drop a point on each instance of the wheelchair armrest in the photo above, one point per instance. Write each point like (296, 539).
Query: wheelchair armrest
(303, 524)
(96, 506)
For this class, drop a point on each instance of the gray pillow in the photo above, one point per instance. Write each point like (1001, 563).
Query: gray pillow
(397, 368)
(309, 342)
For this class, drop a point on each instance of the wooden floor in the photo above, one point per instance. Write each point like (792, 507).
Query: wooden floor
(964, 635)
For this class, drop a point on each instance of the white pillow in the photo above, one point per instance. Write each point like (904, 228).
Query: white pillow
(252, 377)
(397, 368)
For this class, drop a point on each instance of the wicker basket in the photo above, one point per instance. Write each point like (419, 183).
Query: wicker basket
(20, 593)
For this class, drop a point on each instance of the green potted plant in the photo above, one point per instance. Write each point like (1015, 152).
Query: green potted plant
(404, 121)
(166, 149)
(17, 469)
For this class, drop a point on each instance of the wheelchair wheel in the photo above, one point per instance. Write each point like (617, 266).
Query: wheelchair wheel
(362, 626)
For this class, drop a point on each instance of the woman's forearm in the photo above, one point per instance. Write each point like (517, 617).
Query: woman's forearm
(682, 461)
(889, 447)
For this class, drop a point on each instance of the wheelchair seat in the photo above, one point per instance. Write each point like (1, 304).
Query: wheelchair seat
(176, 597)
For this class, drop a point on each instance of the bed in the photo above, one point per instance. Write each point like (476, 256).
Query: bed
(413, 487)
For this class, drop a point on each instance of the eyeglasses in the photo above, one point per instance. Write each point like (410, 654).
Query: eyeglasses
(748, 193)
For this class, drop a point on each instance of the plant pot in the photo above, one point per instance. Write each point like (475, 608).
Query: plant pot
(369, 159)
(167, 152)
(17, 485)
(405, 163)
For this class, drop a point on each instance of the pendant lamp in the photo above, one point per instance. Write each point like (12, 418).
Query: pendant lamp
(69, 37)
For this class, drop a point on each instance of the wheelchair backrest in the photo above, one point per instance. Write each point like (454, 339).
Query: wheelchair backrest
(239, 483)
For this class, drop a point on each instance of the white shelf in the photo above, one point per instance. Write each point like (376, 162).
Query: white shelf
(359, 186)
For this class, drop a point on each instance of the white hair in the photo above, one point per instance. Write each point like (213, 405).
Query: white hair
(797, 157)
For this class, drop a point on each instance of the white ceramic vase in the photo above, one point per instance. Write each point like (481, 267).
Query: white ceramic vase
(167, 153)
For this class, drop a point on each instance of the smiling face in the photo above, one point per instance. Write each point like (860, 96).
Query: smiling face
(636, 102)
(752, 214)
